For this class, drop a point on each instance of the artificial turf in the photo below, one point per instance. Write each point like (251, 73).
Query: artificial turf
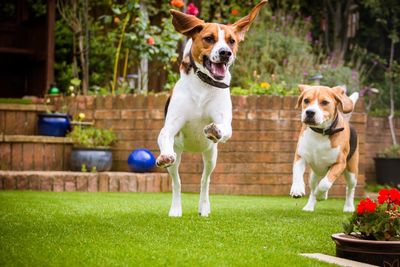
(133, 229)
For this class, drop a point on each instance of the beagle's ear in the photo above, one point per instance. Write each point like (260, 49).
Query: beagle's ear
(302, 88)
(242, 25)
(186, 24)
(345, 103)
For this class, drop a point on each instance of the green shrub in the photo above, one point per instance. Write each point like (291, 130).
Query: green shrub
(91, 137)
(277, 49)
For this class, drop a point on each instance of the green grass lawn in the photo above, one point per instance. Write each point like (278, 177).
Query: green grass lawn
(133, 229)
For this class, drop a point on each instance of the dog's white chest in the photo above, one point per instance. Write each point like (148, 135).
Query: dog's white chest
(317, 151)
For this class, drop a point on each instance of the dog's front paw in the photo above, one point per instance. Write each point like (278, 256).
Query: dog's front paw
(165, 160)
(212, 132)
(297, 190)
(204, 209)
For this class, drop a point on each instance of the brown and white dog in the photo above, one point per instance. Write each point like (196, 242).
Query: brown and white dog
(327, 143)
(199, 112)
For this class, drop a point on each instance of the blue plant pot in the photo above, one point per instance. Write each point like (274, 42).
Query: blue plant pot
(56, 124)
(141, 160)
(99, 158)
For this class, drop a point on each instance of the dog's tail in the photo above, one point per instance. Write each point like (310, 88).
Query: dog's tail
(354, 97)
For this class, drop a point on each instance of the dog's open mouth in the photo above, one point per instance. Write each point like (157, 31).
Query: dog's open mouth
(217, 70)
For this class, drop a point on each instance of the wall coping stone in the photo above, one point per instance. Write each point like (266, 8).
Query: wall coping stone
(35, 139)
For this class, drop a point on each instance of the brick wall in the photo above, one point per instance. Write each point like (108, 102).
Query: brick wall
(257, 160)
(377, 139)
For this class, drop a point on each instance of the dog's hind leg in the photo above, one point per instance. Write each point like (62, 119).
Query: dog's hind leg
(312, 200)
(351, 182)
(176, 205)
(209, 161)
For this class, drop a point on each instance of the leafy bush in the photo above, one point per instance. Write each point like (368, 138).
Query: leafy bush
(91, 137)
(277, 49)
(377, 220)
(265, 88)
(391, 152)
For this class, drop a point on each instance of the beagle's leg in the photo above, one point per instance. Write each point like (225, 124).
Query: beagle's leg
(176, 206)
(166, 137)
(221, 129)
(209, 161)
(334, 172)
(299, 166)
(351, 182)
(312, 200)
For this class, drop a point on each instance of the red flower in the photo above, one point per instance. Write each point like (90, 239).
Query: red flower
(392, 196)
(234, 12)
(177, 3)
(150, 41)
(366, 205)
(192, 10)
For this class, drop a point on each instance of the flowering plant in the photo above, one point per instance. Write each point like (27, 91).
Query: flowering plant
(377, 220)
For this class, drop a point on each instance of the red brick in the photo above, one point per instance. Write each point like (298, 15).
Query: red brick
(69, 183)
(92, 183)
(107, 114)
(22, 183)
(108, 102)
(81, 183)
(150, 186)
(165, 183)
(141, 183)
(46, 183)
(103, 182)
(137, 114)
(124, 184)
(58, 184)
(90, 102)
(114, 183)
(34, 181)
(99, 102)
(139, 101)
(10, 183)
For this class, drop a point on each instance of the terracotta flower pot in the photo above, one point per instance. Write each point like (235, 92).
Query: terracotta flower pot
(382, 253)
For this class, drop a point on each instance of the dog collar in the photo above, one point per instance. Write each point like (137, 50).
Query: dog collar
(204, 77)
(329, 131)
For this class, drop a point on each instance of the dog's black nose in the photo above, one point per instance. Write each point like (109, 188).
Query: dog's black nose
(310, 113)
(224, 54)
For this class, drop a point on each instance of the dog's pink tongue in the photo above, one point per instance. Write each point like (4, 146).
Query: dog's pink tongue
(218, 69)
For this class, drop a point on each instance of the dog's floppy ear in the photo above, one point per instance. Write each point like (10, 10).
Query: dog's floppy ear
(186, 24)
(302, 88)
(345, 103)
(242, 25)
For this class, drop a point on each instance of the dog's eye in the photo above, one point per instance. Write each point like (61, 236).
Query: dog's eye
(232, 41)
(306, 101)
(324, 103)
(209, 39)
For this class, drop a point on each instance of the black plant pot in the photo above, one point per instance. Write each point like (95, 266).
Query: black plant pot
(90, 158)
(381, 253)
(387, 171)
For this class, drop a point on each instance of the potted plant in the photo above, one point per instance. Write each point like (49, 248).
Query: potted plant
(387, 166)
(91, 151)
(372, 234)
(54, 123)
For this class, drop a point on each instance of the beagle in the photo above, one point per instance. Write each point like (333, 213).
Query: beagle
(199, 112)
(327, 143)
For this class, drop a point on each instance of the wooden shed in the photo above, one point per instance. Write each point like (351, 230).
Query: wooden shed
(26, 47)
